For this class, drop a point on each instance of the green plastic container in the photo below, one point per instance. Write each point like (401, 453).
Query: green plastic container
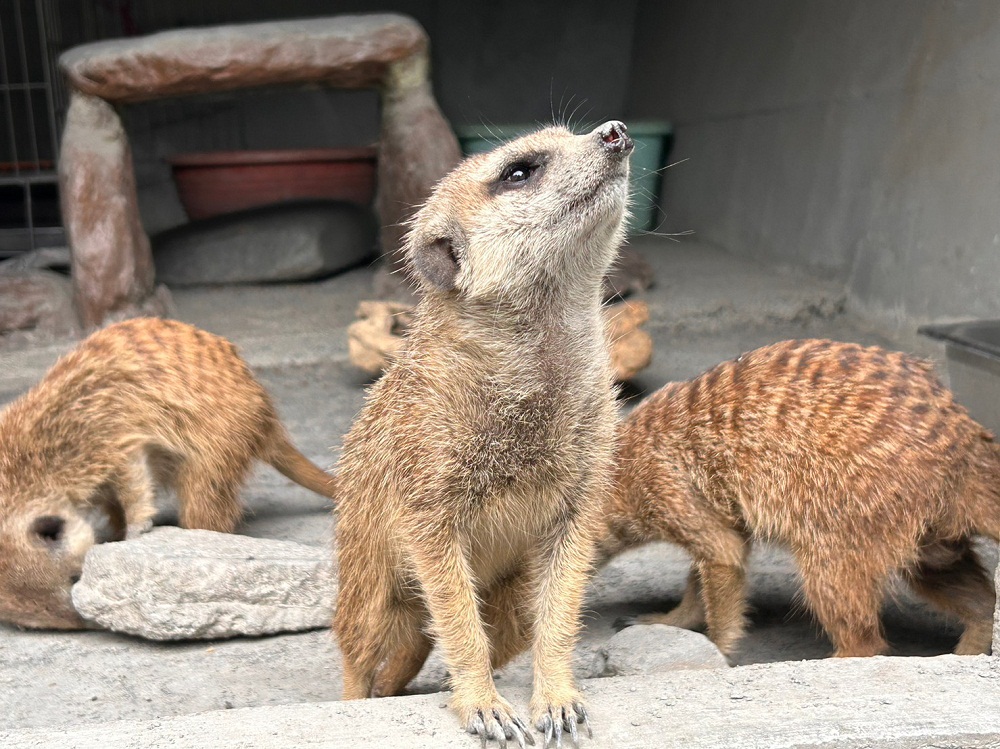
(652, 146)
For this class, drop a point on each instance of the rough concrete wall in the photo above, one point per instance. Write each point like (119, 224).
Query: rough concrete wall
(854, 138)
(525, 61)
(506, 62)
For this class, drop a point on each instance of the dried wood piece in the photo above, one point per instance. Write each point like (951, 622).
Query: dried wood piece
(378, 335)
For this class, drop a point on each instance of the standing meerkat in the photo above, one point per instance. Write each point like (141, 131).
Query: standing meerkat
(471, 484)
(858, 459)
(140, 403)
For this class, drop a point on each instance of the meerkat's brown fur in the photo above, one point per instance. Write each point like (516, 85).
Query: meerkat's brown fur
(859, 459)
(140, 403)
(470, 486)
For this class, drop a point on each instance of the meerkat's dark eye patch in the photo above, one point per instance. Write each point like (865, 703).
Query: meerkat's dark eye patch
(49, 529)
(520, 172)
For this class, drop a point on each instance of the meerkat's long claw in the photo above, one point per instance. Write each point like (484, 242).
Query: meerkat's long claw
(477, 726)
(584, 718)
(545, 725)
(516, 734)
(525, 731)
(498, 731)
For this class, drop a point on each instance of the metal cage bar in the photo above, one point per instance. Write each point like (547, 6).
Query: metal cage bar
(32, 99)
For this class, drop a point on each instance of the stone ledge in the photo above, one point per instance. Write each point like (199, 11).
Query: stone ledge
(344, 51)
(896, 703)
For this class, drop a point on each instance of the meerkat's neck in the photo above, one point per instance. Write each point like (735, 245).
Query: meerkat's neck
(515, 333)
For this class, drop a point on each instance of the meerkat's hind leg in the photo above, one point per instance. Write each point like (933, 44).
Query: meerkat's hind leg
(951, 577)
(402, 666)
(721, 568)
(688, 614)
(209, 494)
(508, 613)
(376, 617)
(845, 591)
(412, 647)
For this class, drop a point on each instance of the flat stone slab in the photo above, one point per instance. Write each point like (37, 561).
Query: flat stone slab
(345, 51)
(389, 52)
(889, 703)
(656, 649)
(286, 242)
(176, 584)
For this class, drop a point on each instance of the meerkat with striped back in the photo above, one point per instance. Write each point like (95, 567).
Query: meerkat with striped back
(858, 459)
(142, 403)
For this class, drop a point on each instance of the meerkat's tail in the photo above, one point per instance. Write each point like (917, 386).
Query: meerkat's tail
(286, 458)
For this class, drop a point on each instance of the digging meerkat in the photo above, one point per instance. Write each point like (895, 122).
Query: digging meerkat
(858, 459)
(471, 484)
(140, 403)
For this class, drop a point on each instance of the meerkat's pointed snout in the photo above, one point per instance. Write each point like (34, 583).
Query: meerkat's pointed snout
(614, 138)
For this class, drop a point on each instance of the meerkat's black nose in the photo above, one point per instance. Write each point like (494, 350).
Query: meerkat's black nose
(614, 137)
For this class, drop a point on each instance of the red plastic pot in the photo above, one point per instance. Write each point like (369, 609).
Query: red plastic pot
(211, 184)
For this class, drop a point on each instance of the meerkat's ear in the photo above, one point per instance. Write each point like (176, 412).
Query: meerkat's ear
(49, 529)
(434, 262)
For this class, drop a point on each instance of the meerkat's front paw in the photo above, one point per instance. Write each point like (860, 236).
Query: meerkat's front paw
(976, 640)
(135, 530)
(555, 717)
(496, 721)
(623, 622)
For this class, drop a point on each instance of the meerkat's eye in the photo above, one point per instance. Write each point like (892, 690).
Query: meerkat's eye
(521, 172)
(518, 172)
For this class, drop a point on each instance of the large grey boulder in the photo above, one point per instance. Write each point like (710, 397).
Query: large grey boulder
(656, 649)
(285, 242)
(175, 584)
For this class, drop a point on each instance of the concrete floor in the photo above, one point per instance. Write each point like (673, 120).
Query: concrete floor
(707, 306)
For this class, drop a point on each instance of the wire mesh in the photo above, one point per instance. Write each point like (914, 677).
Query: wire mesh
(31, 99)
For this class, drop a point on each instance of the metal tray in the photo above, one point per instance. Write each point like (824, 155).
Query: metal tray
(973, 352)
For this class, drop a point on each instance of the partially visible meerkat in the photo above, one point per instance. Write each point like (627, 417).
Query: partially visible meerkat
(140, 403)
(858, 459)
(471, 484)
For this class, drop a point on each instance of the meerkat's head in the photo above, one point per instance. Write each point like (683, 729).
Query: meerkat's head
(42, 548)
(539, 214)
